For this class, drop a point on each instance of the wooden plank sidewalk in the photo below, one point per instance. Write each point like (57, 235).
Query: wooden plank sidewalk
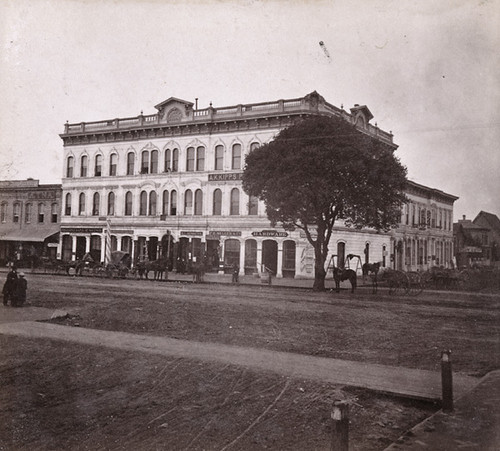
(405, 382)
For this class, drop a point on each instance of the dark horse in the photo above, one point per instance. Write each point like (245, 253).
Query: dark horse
(371, 269)
(159, 267)
(341, 274)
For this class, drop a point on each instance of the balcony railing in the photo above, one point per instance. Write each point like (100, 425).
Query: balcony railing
(299, 105)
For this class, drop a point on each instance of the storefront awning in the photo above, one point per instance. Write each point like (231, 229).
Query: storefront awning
(34, 233)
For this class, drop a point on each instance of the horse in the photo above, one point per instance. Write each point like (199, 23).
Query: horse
(341, 274)
(159, 267)
(371, 269)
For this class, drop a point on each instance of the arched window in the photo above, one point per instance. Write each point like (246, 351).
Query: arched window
(41, 213)
(250, 256)
(28, 212)
(173, 203)
(254, 146)
(53, 212)
(130, 163)
(114, 243)
(253, 206)
(112, 163)
(188, 202)
(175, 160)
(81, 204)
(67, 205)
(69, 167)
(126, 244)
(236, 157)
(84, 166)
(145, 162)
(198, 202)
(154, 162)
(96, 204)
(128, 204)
(235, 202)
(341, 254)
(111, 204)
(219, 158)
(165, 198)
(217, 203)
(200, 158)
(143, 203)
(98, 166)
(190, 159)
(17, 212)
(168, 160)
(152, 203)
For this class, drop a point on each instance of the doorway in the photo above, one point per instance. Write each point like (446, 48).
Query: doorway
(270, 255)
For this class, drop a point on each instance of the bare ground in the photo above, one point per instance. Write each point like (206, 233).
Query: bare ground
(56, 395)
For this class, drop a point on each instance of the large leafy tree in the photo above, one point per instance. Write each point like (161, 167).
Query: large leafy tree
(324, 169)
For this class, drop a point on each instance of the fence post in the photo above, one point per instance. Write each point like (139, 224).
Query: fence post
(340, 428)
(446, 381)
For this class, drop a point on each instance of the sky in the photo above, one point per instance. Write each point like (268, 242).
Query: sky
(428, 71)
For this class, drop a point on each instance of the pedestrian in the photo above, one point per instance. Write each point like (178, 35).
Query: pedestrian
(8, 287)
(20, 288)
(236, 272)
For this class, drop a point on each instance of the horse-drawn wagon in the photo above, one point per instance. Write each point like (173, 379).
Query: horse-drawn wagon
(401, 282)
(119, 264)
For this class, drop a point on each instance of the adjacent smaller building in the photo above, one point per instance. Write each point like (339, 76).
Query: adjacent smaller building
(29, 221)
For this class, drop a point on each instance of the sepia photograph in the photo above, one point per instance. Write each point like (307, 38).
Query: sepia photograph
(250, 225)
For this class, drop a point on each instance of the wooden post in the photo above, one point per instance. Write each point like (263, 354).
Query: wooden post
(446, 381)
(340, 427)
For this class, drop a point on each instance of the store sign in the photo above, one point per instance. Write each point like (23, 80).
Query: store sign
(42, 195)
(271, 233)
(224, 177)
(191, 233)
(124, 232)
(216, 233)
(81, 229)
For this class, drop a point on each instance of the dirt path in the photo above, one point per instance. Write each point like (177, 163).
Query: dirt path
(420, 384)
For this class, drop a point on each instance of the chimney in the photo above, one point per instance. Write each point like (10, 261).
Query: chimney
(463, 217)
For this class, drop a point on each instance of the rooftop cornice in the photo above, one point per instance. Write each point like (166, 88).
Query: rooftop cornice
(172, 120)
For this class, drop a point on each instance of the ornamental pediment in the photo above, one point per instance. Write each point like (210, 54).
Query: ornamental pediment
(174, 110)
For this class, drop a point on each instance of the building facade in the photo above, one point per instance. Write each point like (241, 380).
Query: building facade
(29, 220)
(169, 185)
(424, 237)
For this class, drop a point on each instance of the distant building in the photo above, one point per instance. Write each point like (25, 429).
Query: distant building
(169, 184)
(492, 222)
(472, 246)
(29, 220)
(424, 237)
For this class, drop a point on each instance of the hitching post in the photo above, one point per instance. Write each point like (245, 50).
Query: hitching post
(340, 430)
(446, 381)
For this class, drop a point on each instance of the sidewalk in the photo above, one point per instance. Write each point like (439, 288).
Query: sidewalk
(406, 382)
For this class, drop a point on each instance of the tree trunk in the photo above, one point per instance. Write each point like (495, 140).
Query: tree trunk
(319, 269)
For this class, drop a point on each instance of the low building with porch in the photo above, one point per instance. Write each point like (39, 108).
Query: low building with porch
(30, 213)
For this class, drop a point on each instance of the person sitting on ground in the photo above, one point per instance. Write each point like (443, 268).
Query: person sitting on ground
(19, 292)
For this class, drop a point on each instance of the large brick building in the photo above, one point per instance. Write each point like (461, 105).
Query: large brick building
(169, 183)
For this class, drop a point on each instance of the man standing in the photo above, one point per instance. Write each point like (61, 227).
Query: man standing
(9, 285)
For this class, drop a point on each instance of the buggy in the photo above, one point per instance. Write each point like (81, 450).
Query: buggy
(119, 264)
